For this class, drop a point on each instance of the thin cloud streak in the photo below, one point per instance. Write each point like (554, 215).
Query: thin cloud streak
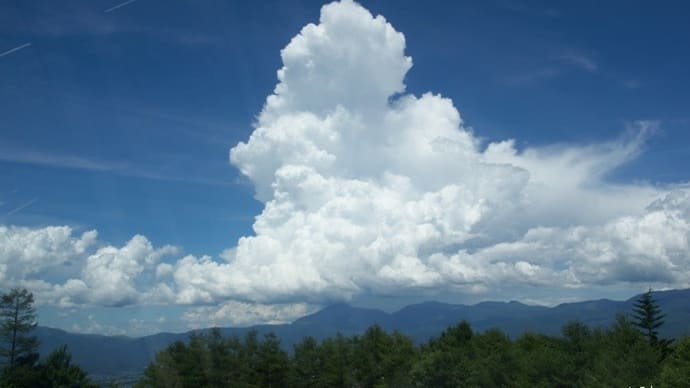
(10, 51)
(557, 69)
(169, 178)
(22, 207)
(527, 79)
(581, 60)
(119, 6)
(21, 155)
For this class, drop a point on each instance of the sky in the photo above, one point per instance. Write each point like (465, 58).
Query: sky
(174, 165)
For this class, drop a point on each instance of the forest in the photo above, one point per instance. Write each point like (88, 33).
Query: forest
(629, 353)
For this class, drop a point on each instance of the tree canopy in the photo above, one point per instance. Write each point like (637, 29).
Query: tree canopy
(582, 356)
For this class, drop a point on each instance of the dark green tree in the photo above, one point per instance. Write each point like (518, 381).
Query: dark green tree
(219, 363)
(580, 350)
(250, 356)
(541, 361)
(647, 317)
(17, 345)
(446, 361)
(57, 370)
(382, 359)
(166, 369)
(306, 364)
(493, 363)
(676, 369)
(337, 355)
(370, 352)
(622, 358)
(272, 364)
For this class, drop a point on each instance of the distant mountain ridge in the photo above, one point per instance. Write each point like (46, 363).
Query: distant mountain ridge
(112, 356)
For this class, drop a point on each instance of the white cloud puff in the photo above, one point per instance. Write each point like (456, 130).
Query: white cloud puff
(26, 251)
(109, 276)
(238, 314)
(650, 248)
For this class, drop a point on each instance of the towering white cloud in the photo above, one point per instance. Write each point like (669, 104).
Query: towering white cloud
(370, 190)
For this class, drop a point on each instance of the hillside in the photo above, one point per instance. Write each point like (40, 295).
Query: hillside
(109, 356)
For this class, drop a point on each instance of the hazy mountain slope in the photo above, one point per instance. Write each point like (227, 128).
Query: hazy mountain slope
(103, 355)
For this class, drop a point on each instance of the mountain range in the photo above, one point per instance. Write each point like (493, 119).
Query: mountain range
(104, 356)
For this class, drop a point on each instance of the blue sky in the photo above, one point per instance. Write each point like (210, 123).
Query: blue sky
(121, 119)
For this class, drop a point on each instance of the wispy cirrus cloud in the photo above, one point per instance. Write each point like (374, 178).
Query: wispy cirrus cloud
(631, 84)
(118, 6)
(526, 9)
(551, 67)
(67, 19)
(10, 51)
(581, 60)
(18, 154)
(531, 77)
(22, 206)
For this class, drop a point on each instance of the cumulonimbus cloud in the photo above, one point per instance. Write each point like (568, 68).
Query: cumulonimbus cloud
(368, 189)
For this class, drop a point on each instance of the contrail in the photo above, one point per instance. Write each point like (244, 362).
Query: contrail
(22, 207)
(15, 49)
(119, 6)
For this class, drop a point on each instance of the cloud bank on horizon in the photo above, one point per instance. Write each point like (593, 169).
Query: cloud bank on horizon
(371, 190)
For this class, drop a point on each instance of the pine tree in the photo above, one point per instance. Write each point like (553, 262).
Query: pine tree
(306, 363)
(18, 316)
(647, 317)
(57, 370)
(273, 364)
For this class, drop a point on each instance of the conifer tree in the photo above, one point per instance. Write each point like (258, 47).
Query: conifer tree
(17, 345)
(647, 317)
(58, 370)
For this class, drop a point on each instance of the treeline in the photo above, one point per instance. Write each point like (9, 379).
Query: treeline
(582, 357)
(629, 353)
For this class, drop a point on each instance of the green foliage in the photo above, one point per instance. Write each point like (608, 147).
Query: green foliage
(272, 364)
(307, 364)
(445, 362)
(582, 357)
(337, 358)
(622, 357)
(540, 359)
(676, 369)
(580, 348)
(57, 370)
(494, 363)
(209, 360)
(382, 360)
